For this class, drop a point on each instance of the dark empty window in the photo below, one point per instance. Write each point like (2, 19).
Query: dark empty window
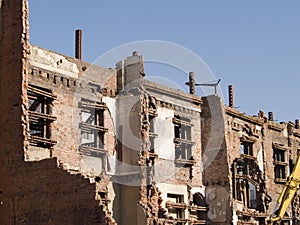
(280, 164)
(246, 148)
(279, 155)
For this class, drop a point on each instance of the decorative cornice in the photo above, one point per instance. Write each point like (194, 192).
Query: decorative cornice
(238, 114)
(177, 94)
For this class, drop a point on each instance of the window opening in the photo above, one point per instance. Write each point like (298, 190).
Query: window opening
(40, 116)
(176, 206)
(93, 129)
(280, 164)
(183, 142)
(246, 148)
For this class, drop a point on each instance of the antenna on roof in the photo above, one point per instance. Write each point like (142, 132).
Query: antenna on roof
(207, 84)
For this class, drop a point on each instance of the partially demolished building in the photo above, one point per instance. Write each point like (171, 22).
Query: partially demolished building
(82, 144)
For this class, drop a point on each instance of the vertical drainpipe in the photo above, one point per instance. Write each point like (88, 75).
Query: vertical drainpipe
(78, 44)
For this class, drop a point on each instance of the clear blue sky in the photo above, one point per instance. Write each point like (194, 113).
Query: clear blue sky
(254, 45)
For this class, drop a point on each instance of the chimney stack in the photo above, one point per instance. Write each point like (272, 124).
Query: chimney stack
(231, 96)
(270, 116)
(78, 44)
(192, 83)
(297, 123)
(135, 53)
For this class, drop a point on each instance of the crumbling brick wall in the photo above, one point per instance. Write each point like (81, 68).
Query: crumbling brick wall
(43, 193)
(33, 192)
(13, 77)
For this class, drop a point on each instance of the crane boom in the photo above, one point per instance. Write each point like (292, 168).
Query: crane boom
(287, 194)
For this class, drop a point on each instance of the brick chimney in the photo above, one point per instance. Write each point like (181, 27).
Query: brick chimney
(231, 96)
(78, 44)
(297, 123)
(192, 83)
(271, 116)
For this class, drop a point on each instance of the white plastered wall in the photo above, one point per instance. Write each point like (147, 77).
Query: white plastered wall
(53, 62)
(163, 126)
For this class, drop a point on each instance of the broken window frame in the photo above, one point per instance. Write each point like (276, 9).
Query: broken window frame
(152, 135)
(246, 176)
(245, 189)
(251, 195)
(176, 207)
(183, 141)
(280, 163)
(246, 148)
(40, 102)
(153, 156)
(93, 126)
